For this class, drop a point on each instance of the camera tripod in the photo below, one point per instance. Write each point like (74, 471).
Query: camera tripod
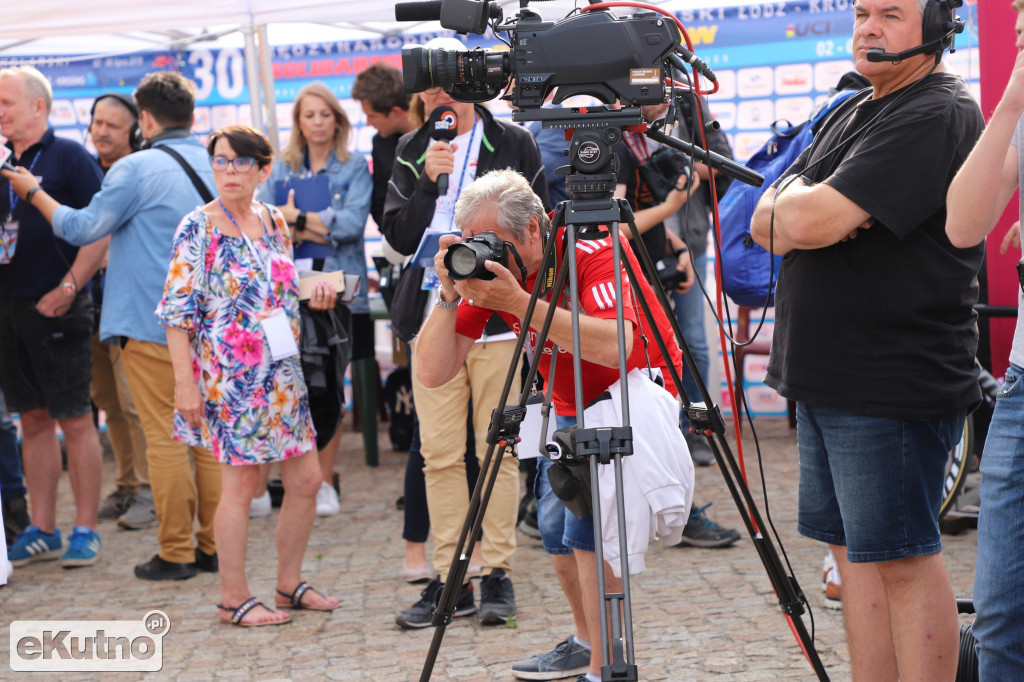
(593, 213)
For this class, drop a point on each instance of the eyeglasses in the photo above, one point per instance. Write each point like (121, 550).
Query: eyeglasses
(242, 163)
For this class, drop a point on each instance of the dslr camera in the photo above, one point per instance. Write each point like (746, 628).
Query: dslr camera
(465, 259)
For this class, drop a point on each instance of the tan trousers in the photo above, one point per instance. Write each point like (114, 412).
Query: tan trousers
(442, 416)
(185, 480)
(111, 393)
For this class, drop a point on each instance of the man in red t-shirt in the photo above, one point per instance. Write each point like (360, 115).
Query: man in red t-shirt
(503, 202)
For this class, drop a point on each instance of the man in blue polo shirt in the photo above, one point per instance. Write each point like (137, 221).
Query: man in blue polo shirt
(142, 200)
(46, 323)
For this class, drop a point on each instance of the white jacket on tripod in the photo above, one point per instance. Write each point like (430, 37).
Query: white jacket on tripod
(657, 478)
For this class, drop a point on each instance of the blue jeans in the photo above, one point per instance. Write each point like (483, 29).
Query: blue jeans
(12, 483)
(560, 530)
(999, 626)
(689, 309)
(872, 484)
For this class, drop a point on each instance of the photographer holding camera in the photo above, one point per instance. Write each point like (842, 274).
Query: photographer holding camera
(503, 203)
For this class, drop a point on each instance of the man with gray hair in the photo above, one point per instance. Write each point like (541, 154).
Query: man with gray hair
(46, 323)
(875, 335)
(503, 202)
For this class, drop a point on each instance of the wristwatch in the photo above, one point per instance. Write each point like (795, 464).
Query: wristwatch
(441, 303)
(69, 289)
(300, 221)
(31, 193)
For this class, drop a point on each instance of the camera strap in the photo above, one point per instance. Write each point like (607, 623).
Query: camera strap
(637, 144)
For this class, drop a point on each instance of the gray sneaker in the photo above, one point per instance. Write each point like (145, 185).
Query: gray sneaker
(141, 513)
(567, 659)
(115, 504)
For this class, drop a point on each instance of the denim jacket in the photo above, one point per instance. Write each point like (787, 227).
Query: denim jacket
(140, 203)
(345, 218)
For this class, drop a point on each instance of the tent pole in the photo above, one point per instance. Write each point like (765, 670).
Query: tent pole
(267, 70)
(252, 75)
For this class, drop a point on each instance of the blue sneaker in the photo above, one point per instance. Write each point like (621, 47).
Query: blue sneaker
(34, 545)
(83, 548)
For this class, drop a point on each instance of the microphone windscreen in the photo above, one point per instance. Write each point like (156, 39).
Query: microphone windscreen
(443, 123)
(879, 55)
(430, 10)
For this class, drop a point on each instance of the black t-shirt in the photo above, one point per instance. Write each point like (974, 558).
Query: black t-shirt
(71, 176)
(383, 156)
(883, 325)
(638, 194)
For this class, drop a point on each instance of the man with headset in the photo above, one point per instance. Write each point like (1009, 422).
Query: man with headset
(114, 128)
(139, 205)
(875, 334)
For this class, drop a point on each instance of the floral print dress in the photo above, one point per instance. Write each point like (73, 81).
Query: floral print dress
(255, 409)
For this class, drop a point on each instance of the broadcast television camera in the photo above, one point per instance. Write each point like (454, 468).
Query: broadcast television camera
(596, 53)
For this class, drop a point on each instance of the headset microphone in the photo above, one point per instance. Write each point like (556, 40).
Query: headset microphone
(443, 124)
(880, 55)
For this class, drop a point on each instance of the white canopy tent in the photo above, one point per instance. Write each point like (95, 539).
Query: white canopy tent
(108, 27)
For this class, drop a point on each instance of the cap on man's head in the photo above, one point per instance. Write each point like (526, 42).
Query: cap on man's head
(445, 43)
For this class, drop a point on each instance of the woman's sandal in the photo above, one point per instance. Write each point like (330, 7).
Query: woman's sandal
(295, 599)
(238, 613)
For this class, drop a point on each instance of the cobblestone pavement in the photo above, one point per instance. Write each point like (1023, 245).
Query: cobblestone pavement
(697, 614)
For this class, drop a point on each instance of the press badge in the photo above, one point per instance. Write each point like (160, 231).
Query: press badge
(8, 240)
(279, 335)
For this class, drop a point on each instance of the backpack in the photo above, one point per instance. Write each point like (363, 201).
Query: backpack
(748, 274)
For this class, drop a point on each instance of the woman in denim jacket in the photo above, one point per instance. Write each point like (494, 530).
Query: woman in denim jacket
(332, 236)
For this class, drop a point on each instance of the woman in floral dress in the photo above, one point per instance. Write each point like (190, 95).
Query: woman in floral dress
(231, 310)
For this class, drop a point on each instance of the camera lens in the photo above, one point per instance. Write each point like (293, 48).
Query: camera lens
(462, 261)
(423, 69)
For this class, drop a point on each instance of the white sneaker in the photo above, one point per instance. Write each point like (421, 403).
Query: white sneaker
(327, 502)
(260, 506)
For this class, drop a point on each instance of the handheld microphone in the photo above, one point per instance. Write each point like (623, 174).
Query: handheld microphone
(443, 124)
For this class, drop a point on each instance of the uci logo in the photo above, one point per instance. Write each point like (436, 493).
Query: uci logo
(448, 121)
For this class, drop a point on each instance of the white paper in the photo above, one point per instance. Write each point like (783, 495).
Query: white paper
(279, 335)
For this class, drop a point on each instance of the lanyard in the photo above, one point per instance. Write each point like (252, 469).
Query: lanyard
(248, 242)
(465, 163)
(10, 187)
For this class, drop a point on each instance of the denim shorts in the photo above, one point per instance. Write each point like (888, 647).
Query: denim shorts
(873, 484)
(46, 362)
(560, 530)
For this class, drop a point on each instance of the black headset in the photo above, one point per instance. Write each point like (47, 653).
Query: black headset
(940, 23)
(134, 133)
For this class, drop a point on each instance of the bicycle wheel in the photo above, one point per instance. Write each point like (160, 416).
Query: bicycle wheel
(956, 467)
